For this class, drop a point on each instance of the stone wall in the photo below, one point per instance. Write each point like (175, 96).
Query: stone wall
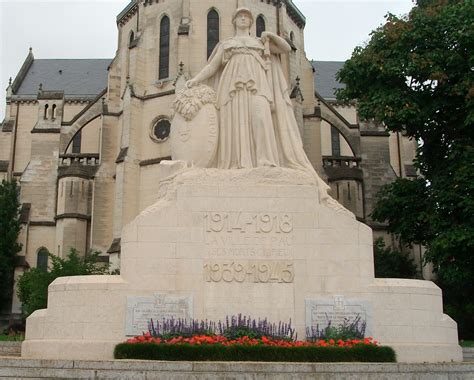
(10, 349)
(376, 168)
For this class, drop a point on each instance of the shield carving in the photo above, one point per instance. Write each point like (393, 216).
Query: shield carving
(195, 128)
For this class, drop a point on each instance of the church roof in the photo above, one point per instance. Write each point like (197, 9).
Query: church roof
(325, 82)
(82, 77)
(76, 77)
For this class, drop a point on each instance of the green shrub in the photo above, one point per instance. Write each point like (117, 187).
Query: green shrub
(186, 352)
(354, 329)
(12, 338)
(33, 285)
(238, 326)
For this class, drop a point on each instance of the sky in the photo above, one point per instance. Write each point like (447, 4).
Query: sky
(87, 29)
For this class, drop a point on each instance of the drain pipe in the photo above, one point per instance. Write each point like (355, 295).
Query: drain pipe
(15, 134)
(399, 151)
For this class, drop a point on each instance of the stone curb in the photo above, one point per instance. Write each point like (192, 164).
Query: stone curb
(10, 348)
(468, 354)
(137, 369)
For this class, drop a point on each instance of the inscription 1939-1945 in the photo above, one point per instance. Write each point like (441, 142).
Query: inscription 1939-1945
(256, 271)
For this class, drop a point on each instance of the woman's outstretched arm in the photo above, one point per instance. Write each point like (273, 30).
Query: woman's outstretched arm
(209, 70)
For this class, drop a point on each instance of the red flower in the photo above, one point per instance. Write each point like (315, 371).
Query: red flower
(245, 340)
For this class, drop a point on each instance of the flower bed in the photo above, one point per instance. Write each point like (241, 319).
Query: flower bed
(220, 348)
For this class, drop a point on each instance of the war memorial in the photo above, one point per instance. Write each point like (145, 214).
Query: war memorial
(242, 224)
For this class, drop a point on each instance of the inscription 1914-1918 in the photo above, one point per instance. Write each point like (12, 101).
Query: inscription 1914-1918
(248, 235)
(259, 223)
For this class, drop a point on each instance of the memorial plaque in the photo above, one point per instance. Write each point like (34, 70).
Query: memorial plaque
(337, 311)
(140, 310)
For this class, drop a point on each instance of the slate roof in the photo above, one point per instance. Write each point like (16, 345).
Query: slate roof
(83, 77)
(325, 81)
(76, 77)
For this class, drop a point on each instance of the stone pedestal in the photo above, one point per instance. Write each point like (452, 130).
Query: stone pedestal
(257, 242)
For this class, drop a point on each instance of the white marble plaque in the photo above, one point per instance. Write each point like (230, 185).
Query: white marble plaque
(337, 310)
(140, 310)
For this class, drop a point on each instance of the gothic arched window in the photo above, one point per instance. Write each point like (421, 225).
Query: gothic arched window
(260, 25)
(131, 38)
(76, 142)
(212, 31)
(42, 259)
(164, 69)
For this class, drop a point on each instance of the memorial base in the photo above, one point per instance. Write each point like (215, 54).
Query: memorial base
(253, 242)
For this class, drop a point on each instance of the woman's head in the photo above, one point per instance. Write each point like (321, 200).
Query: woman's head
(242, 18)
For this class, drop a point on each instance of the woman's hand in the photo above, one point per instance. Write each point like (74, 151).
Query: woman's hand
(267, 36)
(277, 44)
(191, 83)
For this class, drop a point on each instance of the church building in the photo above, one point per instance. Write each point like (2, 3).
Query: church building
(84, 137)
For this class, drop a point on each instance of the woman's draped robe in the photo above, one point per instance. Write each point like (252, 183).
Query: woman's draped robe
(257, 126)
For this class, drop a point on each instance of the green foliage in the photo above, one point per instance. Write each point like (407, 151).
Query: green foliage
(33, 285)
(241, 331)
(186, 352)
(415, 75)
(392, 264)
(406, 205)
(348, 330)
(9, 230)
(12, 338)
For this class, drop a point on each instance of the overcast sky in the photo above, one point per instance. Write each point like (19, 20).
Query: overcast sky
(87, 29)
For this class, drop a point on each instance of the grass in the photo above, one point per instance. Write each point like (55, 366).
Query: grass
(466, 343)
(12, 338)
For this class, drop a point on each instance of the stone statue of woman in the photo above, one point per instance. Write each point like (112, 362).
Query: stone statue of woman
(257, 126)
(249, 85)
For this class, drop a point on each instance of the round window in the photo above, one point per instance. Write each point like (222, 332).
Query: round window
(160, 130)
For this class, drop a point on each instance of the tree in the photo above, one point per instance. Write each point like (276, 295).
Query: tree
(9, 230)
(33, 285)
(415, 76)
(389, 263)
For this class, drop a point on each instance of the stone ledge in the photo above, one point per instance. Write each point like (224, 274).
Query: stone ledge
(137, 369)
(10, 348)
(468, 354)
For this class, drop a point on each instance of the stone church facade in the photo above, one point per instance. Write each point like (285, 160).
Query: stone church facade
(84, 138)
